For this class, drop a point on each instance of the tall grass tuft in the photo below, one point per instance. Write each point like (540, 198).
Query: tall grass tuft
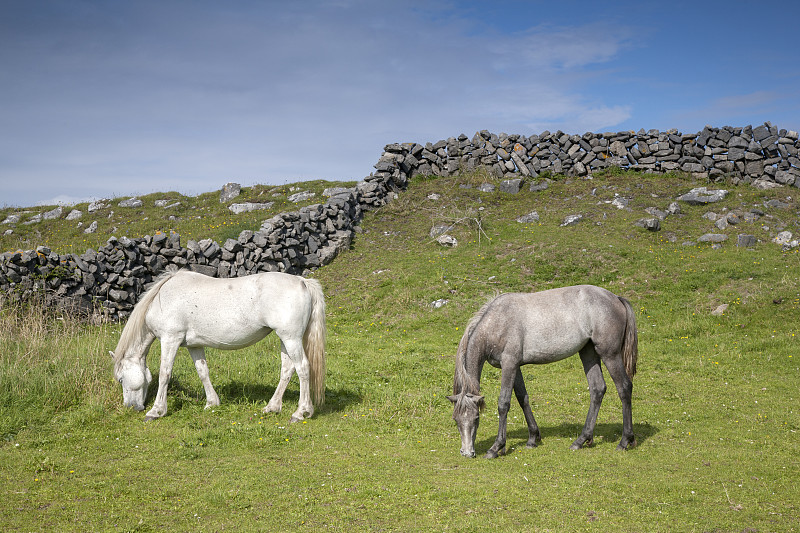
(49, 362)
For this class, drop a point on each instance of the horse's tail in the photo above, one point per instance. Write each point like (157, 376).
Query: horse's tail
(131, 333)
(630, 346)
(314, 341)
(462, 381)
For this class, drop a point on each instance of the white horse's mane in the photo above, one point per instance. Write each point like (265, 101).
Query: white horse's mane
(132, 332)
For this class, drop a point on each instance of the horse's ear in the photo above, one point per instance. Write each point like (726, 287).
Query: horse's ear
(479, 401)
(111, 353)
(453, 398)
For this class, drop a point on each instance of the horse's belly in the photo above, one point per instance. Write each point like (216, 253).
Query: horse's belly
(556, 350)
(225, 340)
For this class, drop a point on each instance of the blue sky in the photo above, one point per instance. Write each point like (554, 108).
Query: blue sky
(109, 98)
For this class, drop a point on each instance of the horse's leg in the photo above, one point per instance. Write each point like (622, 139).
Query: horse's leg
(169, 348)
(507, 377)
(199, 358)
(297, 356)
(534, 437)
(616, 369)
(287, 371)
(597, 389)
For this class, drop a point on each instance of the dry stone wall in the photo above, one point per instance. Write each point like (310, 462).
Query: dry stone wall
(763, 154)
(111, 279)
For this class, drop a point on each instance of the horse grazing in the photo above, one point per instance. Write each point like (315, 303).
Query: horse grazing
(543, 327)
(185, 308)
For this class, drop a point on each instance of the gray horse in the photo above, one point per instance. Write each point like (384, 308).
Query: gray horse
(543, 327)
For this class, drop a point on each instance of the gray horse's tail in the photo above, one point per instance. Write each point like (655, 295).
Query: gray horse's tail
(132, 332)
(314, 341)
(630, 346)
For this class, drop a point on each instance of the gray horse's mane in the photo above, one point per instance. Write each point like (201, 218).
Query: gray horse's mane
(132, 332)
(463, 382)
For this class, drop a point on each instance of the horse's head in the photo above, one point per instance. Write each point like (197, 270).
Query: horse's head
(467, 409)
(135, 378)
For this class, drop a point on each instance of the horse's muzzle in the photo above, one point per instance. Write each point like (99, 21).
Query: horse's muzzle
(135, 406)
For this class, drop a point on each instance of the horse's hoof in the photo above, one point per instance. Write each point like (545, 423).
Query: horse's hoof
(491, 454)
(577, 445)
(534, 443)
(294, 419)
(148, 418)
(621, 447)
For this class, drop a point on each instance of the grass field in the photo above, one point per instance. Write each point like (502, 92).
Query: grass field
(714, 405)
(193, 217)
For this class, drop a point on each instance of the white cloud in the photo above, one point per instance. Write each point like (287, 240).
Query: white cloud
(547, 48)
(139, 97)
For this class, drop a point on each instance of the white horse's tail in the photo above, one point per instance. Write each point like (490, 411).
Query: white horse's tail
(314, 341)
(132, 331)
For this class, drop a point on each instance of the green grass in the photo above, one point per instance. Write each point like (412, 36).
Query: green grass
(196, 217)
(715, 398)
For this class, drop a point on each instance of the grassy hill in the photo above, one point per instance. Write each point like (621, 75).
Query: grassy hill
(715, 398)
(193, 217)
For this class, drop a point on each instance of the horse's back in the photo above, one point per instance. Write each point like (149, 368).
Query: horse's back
(229, 312)
(277, 288)
(575, 305)
(549, 325)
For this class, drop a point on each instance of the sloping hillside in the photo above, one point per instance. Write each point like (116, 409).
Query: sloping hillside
(713, 408)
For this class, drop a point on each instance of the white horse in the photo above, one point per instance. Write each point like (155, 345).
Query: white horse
(185, 308)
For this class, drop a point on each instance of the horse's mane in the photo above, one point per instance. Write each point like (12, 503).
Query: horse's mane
(462, 381)
(132, 332)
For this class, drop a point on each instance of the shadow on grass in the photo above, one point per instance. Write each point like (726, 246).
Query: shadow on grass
(608, 433)
(336, 399)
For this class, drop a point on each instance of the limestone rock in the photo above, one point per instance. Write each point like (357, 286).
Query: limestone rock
(571, 220)
(531, 217)
(440, 229)
(720, 310)
(301, 196)
(713, 238)
(131, 202)
(745, 241)
(650, 224)
(511, 186)
(53, 214)
(702, 196)
(229, 192)
(447, 240)
(246, 207)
